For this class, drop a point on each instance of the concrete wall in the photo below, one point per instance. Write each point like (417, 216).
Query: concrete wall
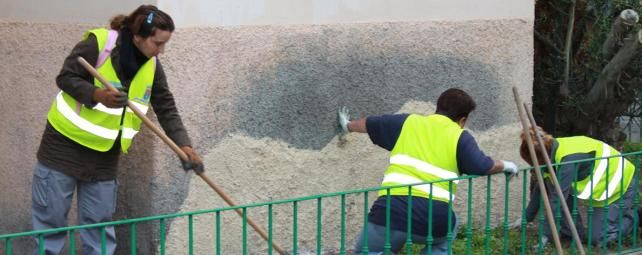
(68, 11)
(260, 105)
(189, 13)
(269, 12)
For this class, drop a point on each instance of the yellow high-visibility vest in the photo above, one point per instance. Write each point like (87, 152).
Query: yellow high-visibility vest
(619, 170)
(426, 150)
(98, 127)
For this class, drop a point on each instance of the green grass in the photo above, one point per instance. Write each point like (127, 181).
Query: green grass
(514, 241)
(495, 242)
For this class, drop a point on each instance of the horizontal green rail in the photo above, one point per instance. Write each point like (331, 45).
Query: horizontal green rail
(496, 238)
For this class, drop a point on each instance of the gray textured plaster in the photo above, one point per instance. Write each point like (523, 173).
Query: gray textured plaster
(300, 89)
(259, 103)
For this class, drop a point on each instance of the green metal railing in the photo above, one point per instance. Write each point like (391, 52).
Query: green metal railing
(496, 239)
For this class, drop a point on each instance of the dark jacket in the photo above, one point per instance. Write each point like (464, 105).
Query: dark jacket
(59, 152)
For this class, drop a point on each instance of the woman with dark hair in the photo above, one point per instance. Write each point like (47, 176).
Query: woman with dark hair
(601, 183)
(88, 126)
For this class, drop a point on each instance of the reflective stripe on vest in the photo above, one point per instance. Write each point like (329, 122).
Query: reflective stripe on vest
(618, 170)
(599, 172)
(98, 127)
(83, 124)
(128, 132)
(438, 192)
(424, 152)
(422, 166)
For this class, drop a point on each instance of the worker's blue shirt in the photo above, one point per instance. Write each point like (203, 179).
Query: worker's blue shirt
(384, 131)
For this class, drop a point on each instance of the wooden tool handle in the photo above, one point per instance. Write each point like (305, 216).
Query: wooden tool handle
(538, 174)
(549, 165)
(136, 111)
(179, 152)
(230, 202)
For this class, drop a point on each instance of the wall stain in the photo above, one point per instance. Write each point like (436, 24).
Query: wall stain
(297, 103)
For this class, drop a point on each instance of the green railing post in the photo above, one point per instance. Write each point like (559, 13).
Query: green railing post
(365, 249)
(605, 209)
(8, 246)
(540, 245)
(343, 225)
(619, 220)
(589, 213)
(449, 233)
(386, 244)
(41, 244)
(162, 236)
(270, 229)
(72, 242)
(190, 233)
(133, 238)
(506, 177)
(218, 233)
(575, 212)
(244, 231)
(409, 223)
(294, 226)
(319, 226)
(430, 238)
(523, 223)
(103, 240)
(558, 204)
(636, 199)
(487, 228)
(469, 224)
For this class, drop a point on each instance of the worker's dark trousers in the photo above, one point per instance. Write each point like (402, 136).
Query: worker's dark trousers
(376, 241)
(52, 192)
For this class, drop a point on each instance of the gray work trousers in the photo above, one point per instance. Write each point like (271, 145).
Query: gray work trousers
(613, 224)
(624, 205)
(51, 196)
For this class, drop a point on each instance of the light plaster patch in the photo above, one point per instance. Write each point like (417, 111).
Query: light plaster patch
(273, 170)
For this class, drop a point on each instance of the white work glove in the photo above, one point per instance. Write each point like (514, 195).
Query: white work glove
(515, 224)
(344, 119)
(544, 242)
(510, 169)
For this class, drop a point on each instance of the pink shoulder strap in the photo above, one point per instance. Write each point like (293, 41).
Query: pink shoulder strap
(112, 35)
